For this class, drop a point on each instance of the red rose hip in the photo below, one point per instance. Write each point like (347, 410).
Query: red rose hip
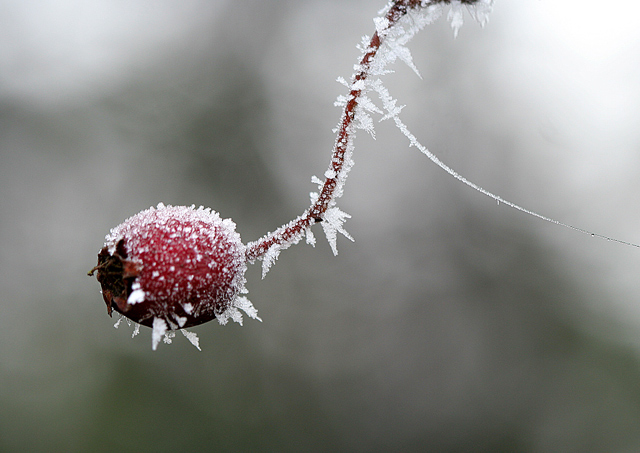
(174, 267)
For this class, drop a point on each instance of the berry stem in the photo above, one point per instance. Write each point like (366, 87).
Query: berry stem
(295, 229)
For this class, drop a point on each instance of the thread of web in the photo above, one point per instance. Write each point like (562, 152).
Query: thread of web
(389, 105)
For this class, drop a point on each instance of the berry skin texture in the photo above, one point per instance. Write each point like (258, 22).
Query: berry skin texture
(174, 267)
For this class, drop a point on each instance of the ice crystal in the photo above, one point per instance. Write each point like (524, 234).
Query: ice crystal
(284, 237)
(332, 223)
(192, 337)
(159, 329)
(168, 335)
(455, 16)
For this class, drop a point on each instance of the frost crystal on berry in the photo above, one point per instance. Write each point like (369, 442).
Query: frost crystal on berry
(174, 267)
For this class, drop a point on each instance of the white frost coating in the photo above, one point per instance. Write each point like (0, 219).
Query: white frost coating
(170, 219)
(136, 326)
(341, 80)
(366, 103)
(271, 255)
(233, 312)
(330, 174)
(117, 324)
(364, 121)
(245, 305)
(159, 329)
(455, 16)
(479, 11)
(394, 40)
(311, 239)
(332, 223)
(381, 24)
(192, 337)
(169, 336)
(136, 297)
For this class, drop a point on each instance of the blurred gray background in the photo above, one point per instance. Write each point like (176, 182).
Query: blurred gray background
(451, 324)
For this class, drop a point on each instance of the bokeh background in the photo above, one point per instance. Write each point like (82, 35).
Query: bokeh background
(451, 324)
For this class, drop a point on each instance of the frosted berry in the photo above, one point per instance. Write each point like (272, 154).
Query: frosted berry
(173, 267)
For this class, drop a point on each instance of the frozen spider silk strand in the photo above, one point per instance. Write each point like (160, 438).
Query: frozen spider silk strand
(413, 141)
(403, 32)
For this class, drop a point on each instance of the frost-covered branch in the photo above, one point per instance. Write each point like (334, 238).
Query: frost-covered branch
(395, 26)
